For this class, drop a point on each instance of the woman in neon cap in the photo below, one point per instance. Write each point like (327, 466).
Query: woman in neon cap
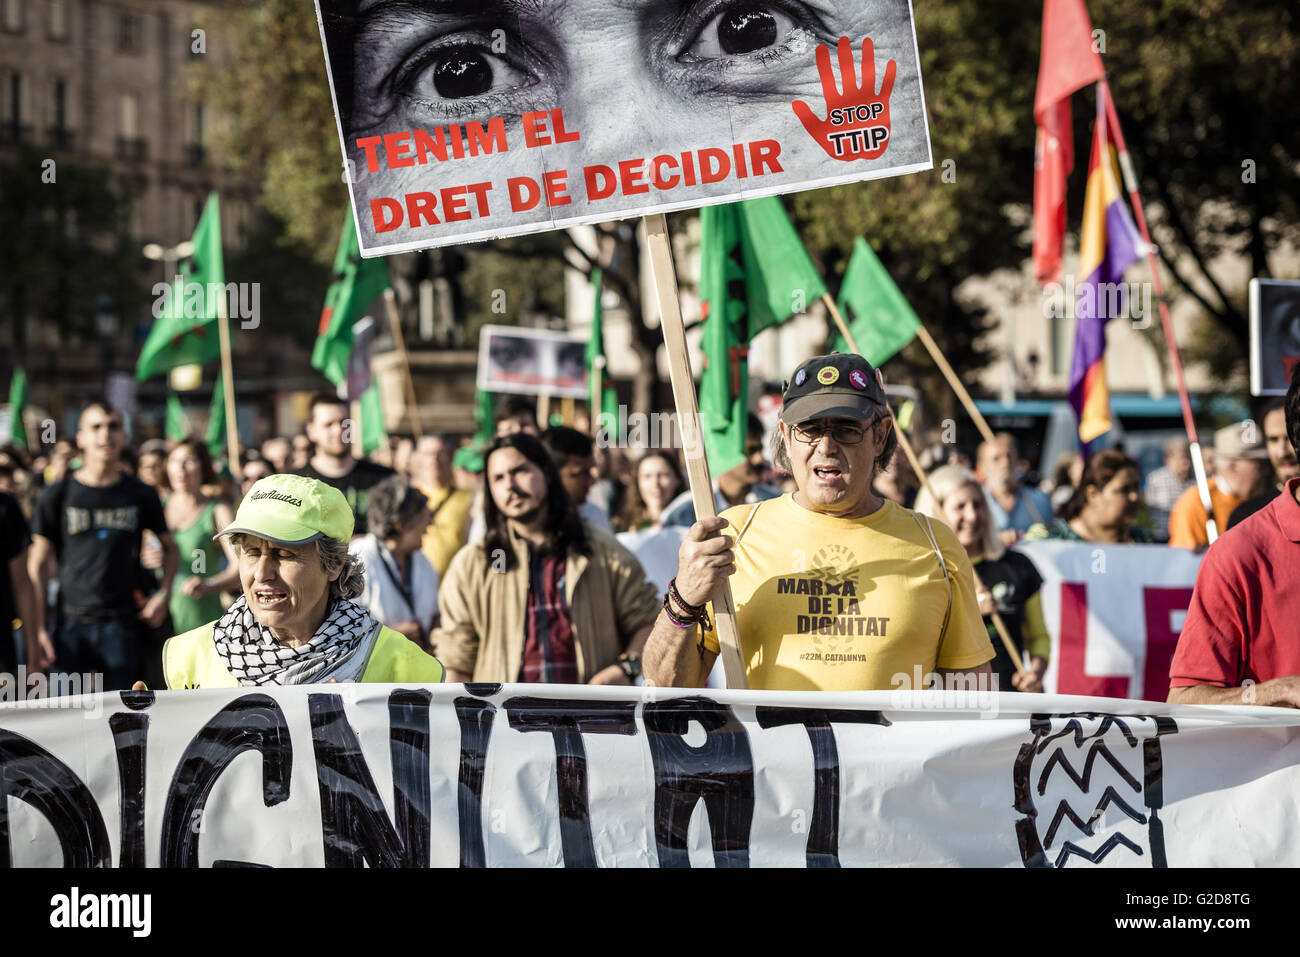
(296, 621)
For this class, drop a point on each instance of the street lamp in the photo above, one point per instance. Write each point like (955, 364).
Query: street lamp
(155, 252)
(183, 378)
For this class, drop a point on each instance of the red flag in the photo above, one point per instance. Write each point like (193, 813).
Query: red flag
(1067, 63)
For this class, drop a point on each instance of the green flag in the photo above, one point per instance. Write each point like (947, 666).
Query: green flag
(879, 318)
(17, 402)
(215, 437)
(177, 425)
(754, 273)
(185, 332)
(608, 406)
(484, 414)
(373, 430)
(356, 283)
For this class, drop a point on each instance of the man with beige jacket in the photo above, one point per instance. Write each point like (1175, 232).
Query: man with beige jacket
(544, 597)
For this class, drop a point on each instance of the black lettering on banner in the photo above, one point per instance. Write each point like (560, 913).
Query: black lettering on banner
(720, 772)
(475, 717)
(130, 736)
(568, 721)
(252, 722)
(823, 848)
(355, 827)
(36, 777)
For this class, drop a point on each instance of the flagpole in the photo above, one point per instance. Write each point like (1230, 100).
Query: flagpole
(906, 445)
(688, 417)
(390, 300)
(1139, 214)
(933, 348)
(228, 386)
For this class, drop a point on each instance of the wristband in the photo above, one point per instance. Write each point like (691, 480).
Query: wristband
(679, 622)
(677, 597)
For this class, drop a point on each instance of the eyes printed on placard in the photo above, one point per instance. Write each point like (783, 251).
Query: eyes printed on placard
(423, 64)
(731, 29)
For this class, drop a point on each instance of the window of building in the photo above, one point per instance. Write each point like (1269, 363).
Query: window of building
(128, 116)
(130, 33)
(14, 104)
(11, 15)
(56, 19)
(60, 103)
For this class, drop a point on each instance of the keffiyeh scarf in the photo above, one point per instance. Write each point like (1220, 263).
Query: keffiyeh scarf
(254, 657)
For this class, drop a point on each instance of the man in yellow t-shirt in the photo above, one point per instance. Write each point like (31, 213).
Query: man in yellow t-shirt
(835, 588)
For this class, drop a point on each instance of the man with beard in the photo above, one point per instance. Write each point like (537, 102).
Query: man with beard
(835, 589)
(1280, 455)
(545, 597)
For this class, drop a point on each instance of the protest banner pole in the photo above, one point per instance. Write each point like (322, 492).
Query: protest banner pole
(566, 409)
(228, 385)
(906, 445)
(688, 417)
(544, 411)
(1157, 285)
(395, 321)
(967, 402)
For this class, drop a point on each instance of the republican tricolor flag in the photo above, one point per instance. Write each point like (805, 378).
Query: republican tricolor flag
(1108, 244)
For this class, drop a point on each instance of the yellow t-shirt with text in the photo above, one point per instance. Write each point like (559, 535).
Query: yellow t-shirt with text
(847, 604)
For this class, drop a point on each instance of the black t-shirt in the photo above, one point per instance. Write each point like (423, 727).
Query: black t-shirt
(96, 536)
(14, 537)
(1252, 505)
(1012, 580)
(364, 476)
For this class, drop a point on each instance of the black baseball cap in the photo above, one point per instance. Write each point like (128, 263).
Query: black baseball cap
(840, 385)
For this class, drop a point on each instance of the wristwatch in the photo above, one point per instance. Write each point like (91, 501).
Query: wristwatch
(631, 665)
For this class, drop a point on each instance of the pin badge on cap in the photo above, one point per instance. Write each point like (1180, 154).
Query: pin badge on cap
(800, 377)
(827, 375)
(858, 379)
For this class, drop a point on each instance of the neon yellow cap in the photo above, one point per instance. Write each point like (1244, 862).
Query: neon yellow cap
(291, 510)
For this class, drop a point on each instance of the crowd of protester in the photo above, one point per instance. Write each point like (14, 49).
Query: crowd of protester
(588, 540)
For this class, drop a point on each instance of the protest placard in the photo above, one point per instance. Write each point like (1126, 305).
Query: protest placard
(463, 124)
(531, 362)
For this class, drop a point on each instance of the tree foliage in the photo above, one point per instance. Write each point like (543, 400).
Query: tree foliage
(1202, 86)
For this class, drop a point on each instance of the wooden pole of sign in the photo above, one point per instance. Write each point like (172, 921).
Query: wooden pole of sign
(228, 386)
(544, 411)
(688, 416)
(567, 409)
(915, 462)
(933, 348)
(395, 321)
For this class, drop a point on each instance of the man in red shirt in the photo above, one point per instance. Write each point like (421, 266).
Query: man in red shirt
(1239, 644)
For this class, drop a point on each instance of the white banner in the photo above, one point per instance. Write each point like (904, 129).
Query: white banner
(466, 122)
(515, 775)
(1114, 613)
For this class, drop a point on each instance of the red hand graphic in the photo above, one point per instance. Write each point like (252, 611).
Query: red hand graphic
(857, 120)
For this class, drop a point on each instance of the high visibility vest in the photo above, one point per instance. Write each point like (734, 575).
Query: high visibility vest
(191, 661)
